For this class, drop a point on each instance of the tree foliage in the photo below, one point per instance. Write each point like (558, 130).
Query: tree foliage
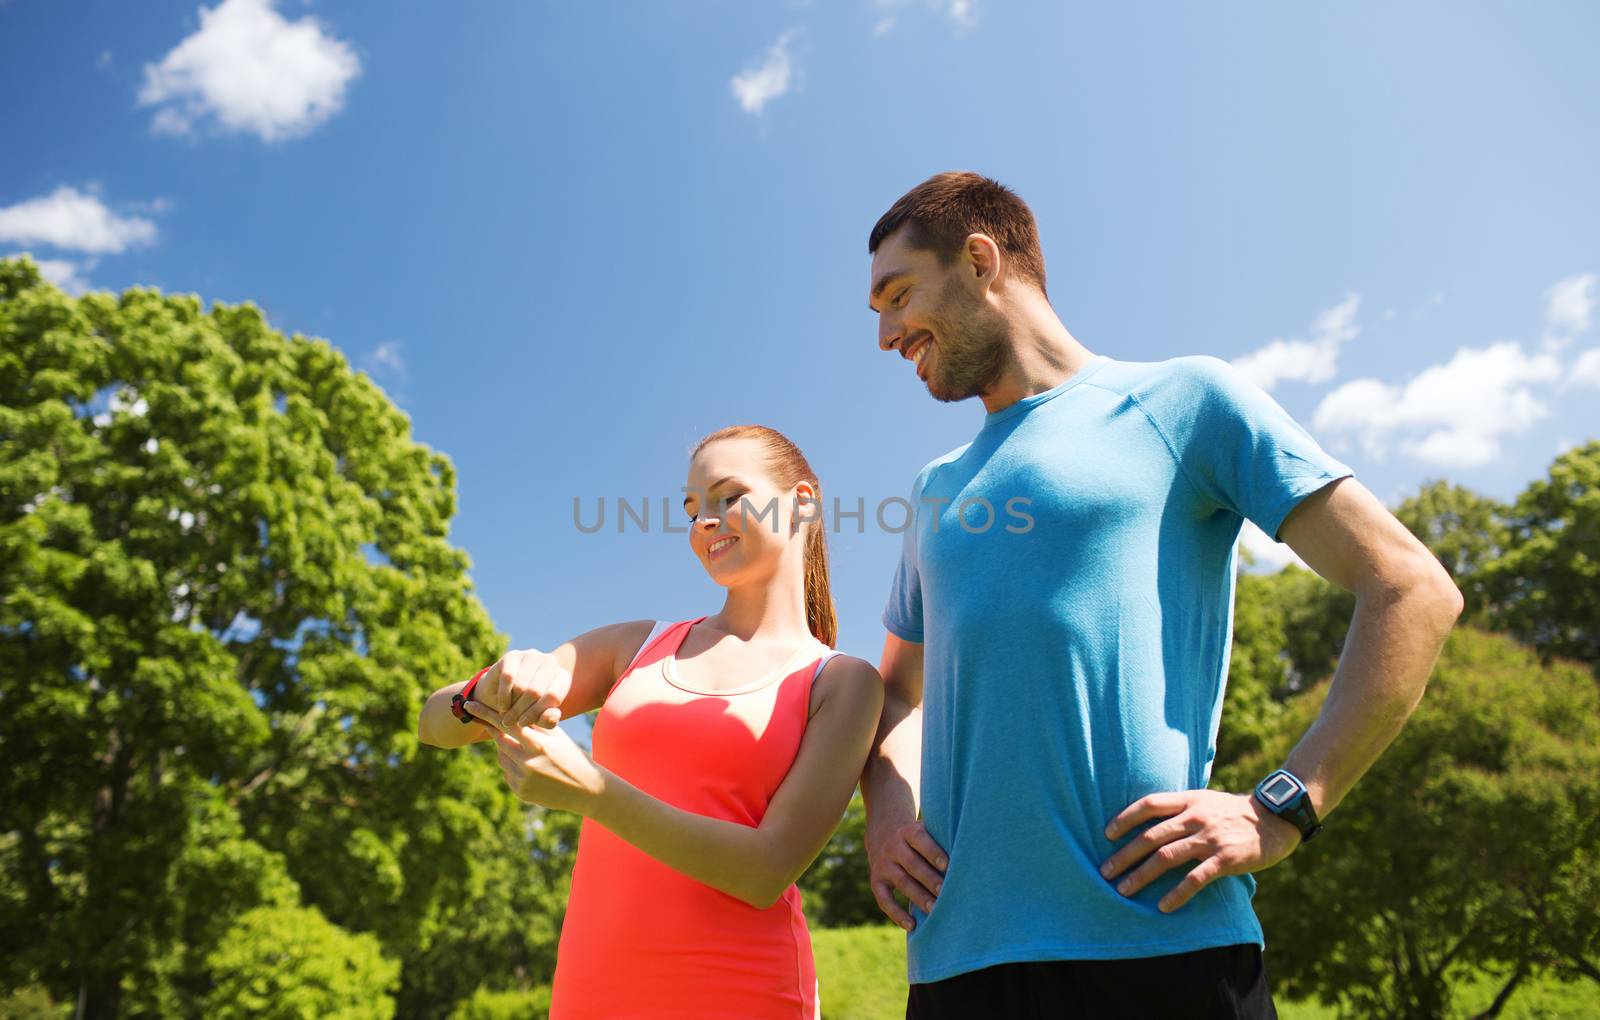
(289, 963)
(837, 887)
(1468, 845)
(225, 589)
(1546, 587)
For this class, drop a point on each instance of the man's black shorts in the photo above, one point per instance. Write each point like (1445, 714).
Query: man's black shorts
(1225, 983)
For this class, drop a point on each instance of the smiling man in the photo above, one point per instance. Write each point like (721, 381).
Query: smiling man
(1054, 690)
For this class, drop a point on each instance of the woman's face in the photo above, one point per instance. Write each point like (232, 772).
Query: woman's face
(740, 521)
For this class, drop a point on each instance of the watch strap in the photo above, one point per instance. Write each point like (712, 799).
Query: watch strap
(458, 701)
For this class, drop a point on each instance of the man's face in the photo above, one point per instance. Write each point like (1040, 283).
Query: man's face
(935, 316)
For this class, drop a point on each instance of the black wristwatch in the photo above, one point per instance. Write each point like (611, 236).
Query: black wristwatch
(1285, 795)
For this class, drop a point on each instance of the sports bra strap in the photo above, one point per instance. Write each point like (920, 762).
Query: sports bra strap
(823, 661)
(655, 632)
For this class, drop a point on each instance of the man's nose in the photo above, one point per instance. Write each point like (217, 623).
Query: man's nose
(888, 333)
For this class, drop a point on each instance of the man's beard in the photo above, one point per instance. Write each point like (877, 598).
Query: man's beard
(969, 355)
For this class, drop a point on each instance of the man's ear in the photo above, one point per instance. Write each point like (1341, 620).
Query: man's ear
(982, 255)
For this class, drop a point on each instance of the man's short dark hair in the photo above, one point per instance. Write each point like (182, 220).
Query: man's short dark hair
(943, 211)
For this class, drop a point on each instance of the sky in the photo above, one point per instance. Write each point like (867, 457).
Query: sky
(571, 239)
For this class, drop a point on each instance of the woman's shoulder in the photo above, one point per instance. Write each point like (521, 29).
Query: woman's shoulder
(846, 678)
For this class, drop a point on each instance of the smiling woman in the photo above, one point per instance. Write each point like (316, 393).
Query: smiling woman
(724, 757)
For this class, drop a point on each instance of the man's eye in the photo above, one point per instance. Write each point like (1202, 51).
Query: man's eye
(900, 298)
(692, 517)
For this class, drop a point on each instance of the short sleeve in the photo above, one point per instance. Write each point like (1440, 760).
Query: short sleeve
(1239, 448)
(902, 617)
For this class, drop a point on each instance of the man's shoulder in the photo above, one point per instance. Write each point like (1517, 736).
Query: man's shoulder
(935, 464)
(1187, 374)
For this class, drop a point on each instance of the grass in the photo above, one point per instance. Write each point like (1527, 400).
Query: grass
(862, 972)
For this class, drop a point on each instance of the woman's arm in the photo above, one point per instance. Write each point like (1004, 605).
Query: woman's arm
(438, 726)
(756, 864)
(574, 678)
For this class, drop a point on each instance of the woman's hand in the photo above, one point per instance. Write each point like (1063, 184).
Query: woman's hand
(544, 766)
(524, 688)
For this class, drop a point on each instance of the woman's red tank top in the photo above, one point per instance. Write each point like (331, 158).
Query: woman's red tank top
(641, 940)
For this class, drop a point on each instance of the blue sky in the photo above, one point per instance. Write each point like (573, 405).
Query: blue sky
(571, 239)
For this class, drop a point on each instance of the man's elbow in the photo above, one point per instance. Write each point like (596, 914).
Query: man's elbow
(1441, 596)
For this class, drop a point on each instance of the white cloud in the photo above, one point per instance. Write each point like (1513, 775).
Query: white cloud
(883, 26)
(757, 86)
(68, 218)
(964, 13)
(64, 273)
(253, 70)
(1570, 304)
(1585, 371)
(387, 357)
(1314, 360)
(104, 61)
(1452, 414)
(1264, 552)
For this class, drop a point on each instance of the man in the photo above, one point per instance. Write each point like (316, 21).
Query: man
(1059, 629)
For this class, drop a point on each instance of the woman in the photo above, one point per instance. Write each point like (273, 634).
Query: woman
(724, 756)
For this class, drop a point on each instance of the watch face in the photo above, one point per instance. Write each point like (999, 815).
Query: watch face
(1280, 790)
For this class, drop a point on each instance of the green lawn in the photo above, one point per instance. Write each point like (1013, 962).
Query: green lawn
(862, 971)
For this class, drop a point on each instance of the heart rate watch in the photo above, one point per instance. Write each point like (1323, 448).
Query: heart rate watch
(1285, 795)
(458, 701)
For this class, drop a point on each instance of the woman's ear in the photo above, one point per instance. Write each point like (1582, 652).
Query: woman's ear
(807, 504)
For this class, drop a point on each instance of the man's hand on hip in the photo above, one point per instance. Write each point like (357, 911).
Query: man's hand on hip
(904, 859)
(1221, 833)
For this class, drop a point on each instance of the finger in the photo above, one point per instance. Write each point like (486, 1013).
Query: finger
(491, 689)
(1206, 872)
(1146, 843)
(1157, 805)
(1158, 863)
(513, 678)
(538, 710)
(510, 743)
(508, 762)
(923, 882)
(890, 906)
(925, 845)
(909, 885)
(483, 713)
(521, 706)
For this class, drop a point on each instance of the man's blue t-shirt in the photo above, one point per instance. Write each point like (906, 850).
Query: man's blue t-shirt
(1076, 649)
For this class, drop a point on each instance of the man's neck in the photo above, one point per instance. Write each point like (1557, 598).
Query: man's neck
(1043, 356)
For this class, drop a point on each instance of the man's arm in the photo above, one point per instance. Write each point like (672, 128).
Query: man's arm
(902, 854)
(1405, 606)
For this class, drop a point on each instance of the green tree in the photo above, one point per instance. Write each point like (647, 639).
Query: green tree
(1469, 845)
(1465, 530)
(837, 888)
(1288, 630)
(532, 1004)
(225, 589)
(1546, 586)
(289, 963)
